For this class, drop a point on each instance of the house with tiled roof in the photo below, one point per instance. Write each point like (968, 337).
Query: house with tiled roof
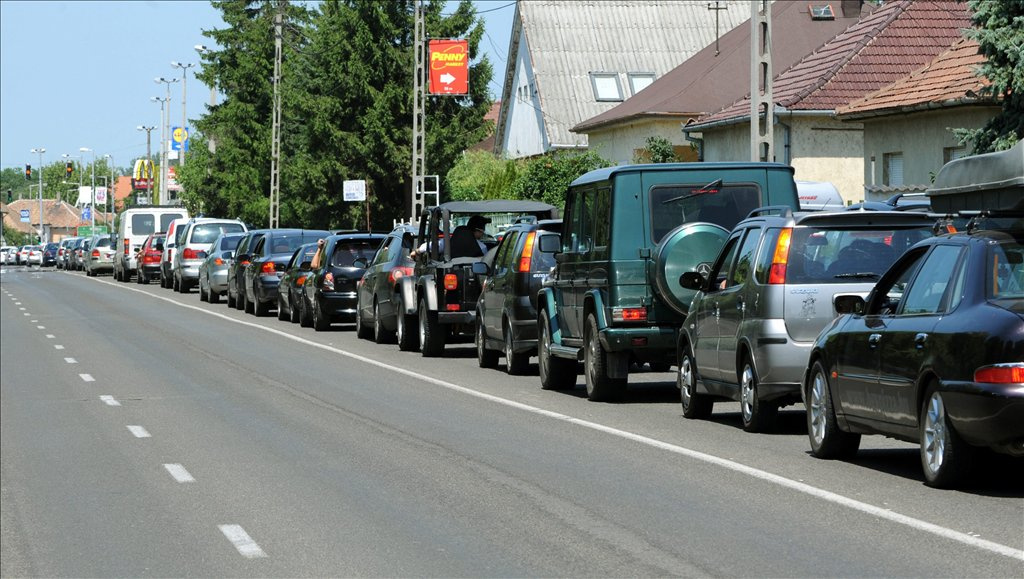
(714, 78)
(882, 48)
(908, 125)
(570, 61)
(60, 219)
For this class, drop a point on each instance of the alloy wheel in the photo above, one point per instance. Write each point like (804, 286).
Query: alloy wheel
(747, 393)
(817, 408)
(935, 435)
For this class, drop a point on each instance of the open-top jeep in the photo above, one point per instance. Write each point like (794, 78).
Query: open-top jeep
(629, 232)
(439, 299)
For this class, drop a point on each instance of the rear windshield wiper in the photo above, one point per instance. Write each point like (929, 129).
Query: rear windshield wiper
(861, 275)
(712, 187)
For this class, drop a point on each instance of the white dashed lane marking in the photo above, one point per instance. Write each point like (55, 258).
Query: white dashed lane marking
(41, 327)
(50, 336)
(58, 347)
(87, 377)
(139, 431)
(110, 401)
(242, 541)
(70, 360)
(179, 473)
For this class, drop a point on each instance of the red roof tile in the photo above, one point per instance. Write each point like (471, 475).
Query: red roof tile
(882, 48)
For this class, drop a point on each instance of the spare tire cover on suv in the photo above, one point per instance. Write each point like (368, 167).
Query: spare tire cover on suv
(681, 250)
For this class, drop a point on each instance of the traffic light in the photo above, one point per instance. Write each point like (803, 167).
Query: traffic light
(69, 168)
(10, 196)
(28, 172)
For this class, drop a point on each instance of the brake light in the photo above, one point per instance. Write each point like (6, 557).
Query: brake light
(95, 253)
(629, 314)
(398, 273)
(267, 268)
(300, 280)
(1000, 374)
(451, 281)
(329, 282)
(189, 253)
(887, 240)
(777, 274)
(452, 307)
(218, 261)
(127, 245)
(524, 259)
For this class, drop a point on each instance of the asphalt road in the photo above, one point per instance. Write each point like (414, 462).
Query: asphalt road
(145, 433)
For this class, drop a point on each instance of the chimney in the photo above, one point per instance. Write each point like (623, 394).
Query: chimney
(851, 8)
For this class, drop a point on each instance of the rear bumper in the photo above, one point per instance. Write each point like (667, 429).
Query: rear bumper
(219, 281)
(266, 288)
(654, 339)
(990, 415)
(189, 270)
(781, 364)
(340, 306)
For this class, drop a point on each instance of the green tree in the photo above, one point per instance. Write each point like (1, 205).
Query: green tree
(480, 175)
(660, 150)
(999, 30)
(547, 177)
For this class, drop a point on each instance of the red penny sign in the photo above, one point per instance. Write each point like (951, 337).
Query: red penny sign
(449, 67)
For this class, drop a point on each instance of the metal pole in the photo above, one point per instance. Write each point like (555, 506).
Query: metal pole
(184, 115)
(40, 150)
(275, 137)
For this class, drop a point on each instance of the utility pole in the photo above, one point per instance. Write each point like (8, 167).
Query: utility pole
(166, 137)
(275, 137)
(148, 171)
(40, 151)
(761, 101)
(184, 66)
(419, 160)
(716, 9)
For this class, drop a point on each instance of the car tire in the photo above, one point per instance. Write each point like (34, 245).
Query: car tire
(88, 273)
(247, 305)
(363, 332)
(516, 363)
(184, 286)
(202, 294)
(555, 373)
(600, 386)
(381, 335)
(431, 336)
(827, 440)
(282, 314)
(320, 321)
(174, 283)
(231, 299)
(485, 358)
(305, 319)
(212, 296)
(945, 458)
(293, 310)
(407, 338)
(260, 308)
(757, 415)
(694, 405)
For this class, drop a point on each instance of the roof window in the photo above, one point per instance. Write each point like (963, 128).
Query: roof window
(606, 86)
(638, 81)
(824, 12)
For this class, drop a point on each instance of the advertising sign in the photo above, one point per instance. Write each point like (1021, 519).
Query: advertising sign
(172, 179)
(179, 139)
(449, 67)
(24, 215)
(354, 190)
(101, 195)
(142, 175)
(87, 214)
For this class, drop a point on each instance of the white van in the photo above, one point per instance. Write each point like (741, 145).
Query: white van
(133, 227)
(819, 196)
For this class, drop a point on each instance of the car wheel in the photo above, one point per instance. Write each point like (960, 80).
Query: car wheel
(405, 334)
(247, 305)
(516, 363)
(174, 284)
(380, 334)
(282, 314)
(555, 373)
(305, 320)
(231, 299)
(946, 458)
(758, 415)
(212, 296)
(485, 358)
(363, 332)
(293, 310)
(694, 405)
(827, 440)
(260, 308)
(431, 336)
(600, 386)
(202, 294)
(88, 273)
(320, 321)
(184, 286)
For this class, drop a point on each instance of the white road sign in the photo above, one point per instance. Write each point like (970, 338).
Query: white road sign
(354, 190)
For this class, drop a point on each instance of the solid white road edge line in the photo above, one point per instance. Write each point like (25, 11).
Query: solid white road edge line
(109, 400)
(242, 541)
(822, 494)
(139, 431)
(179, 473)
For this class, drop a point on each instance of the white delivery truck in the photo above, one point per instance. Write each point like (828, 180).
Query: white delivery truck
(134, 225)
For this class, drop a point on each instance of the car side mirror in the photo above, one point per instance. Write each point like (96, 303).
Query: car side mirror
(551, 243)
(692, 280)
(480, 268)
(360, 263)
(848, 304)
(201, 255)
(229, 255)
(138, 249)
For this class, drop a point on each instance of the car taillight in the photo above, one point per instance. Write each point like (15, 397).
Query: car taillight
(300, 280)
(1000, 374)
(127, 245)
(629, 314)
(189, 253)
(398, 273)
(524, 259)
(451, 281)
(218, 261)
(267, 268)
(95, 253)
(777, 274)
(329, 282)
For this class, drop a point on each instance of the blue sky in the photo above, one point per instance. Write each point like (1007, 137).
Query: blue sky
(80, 74)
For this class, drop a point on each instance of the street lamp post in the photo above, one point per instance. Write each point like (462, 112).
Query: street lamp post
(211, 143)
(40, 151)
(110, 187)
(163, 140)
(167, 135)
(184, 66)
(149, 156)
(92, 195)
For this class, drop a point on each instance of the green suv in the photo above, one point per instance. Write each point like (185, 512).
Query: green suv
(629, 233)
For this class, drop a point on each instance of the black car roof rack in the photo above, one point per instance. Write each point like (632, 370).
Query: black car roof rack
(782, 210)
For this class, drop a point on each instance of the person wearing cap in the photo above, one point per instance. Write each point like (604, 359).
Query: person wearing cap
(466, 239)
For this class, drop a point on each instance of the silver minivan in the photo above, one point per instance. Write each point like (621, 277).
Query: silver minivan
(192, 243)
(769, 294)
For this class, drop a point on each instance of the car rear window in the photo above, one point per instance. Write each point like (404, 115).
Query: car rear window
(845, 255)
(143, 223)
(207, 232)
(347, 251)
(724, 205)
(167, 218)
(1005, 269)
(230, 243)
(103, 242)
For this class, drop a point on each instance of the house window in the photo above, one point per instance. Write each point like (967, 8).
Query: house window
(953, 153)
(892, 169)
(638, 81)
(606, 86)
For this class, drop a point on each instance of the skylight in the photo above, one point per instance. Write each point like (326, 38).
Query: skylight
(824, 12)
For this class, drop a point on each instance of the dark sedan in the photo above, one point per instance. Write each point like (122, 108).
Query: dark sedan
(267, 262)
(50, 254)
(236, 268)
(935, 356)
(377, 300)
(330, 291)
(289, 293)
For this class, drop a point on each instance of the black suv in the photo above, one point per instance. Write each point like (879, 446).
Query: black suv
(506, 312)
(630, 232)
(443, 290)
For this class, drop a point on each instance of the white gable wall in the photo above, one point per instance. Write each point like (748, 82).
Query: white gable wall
(524, 134)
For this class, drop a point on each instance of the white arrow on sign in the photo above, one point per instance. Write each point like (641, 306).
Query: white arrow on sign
(447, 78)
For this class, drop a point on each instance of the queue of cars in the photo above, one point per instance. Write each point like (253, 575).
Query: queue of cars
(876, 321)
